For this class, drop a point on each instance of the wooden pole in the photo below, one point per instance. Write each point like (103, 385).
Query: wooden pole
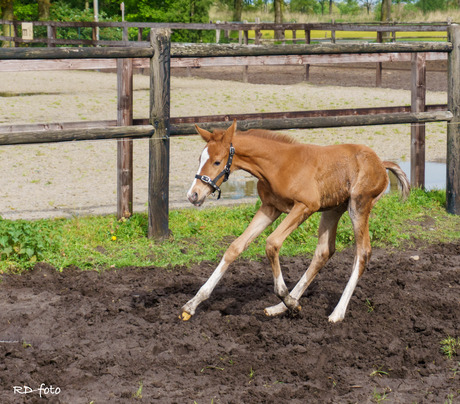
(51, 35)
(453, 127)
(418, 98)
(158, 199)
(307, 42)
(245, 68)
(378, 71)
(125, 146)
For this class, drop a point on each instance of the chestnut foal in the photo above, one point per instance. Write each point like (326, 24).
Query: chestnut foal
(297, 179)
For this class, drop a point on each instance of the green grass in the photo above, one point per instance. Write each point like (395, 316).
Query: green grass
(357, 35)
(450, 346)
(102, 242)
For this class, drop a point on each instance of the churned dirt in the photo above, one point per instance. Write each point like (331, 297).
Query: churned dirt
(115, 336)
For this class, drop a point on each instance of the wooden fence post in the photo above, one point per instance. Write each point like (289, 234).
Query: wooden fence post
(307, 42)
(418, 97)
(378, 71)
(51, 35)
(453, 127)
(246, 67)
(158, 198)
(257, 33)
(125, 146)
(217, 33)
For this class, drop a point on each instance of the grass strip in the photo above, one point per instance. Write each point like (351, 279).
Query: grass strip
(101, 242)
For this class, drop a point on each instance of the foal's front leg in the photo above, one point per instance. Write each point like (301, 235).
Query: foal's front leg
(265, 216)
(294, 219)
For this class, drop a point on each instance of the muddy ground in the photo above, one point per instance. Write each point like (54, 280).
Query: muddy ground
(98, 337)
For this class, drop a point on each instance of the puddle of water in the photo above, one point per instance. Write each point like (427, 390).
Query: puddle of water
(239, 188)
(246, 187)
(435, 175)
(11, 94)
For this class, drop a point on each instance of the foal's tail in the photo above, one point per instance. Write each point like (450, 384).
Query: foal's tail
(401, 177)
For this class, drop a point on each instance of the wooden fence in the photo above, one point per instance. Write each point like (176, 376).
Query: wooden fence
(160, 126)
(54, 37)
(54, 32)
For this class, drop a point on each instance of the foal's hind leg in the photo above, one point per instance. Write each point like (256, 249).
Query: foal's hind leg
(324, 250)
(359, 214)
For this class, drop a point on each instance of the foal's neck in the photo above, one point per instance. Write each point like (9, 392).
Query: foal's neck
(255, 155)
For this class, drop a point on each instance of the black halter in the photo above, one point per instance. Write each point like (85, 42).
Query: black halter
(225, 172)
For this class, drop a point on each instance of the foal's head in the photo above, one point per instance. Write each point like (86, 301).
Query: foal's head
(215, 161)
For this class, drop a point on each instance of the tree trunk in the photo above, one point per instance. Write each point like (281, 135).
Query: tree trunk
(237, 10)
(330, 7)
(44, 10)
(386, 17)
(7, 14)
(278, 17)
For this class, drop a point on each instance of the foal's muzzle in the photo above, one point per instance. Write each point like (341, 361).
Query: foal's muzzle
(193, 198)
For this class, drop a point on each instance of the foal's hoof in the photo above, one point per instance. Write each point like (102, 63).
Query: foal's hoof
(295, 311)
(276, 310)
(280, 309)
(185, 316)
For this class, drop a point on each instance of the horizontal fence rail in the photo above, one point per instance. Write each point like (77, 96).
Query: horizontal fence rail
(70, 135)
(250, 26)
(221, 50)
(23, 65)
(179, 125)
(322, 121)
(75, 53)
(30, 134)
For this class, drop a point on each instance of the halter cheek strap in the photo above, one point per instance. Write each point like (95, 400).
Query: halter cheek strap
(225, 172)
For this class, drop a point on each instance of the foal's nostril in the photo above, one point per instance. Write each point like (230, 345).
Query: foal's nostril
(193, 197)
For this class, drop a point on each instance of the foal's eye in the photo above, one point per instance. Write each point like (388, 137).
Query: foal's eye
(217, 163)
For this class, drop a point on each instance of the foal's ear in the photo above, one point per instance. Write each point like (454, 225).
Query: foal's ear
(204, 133)
(230, 132)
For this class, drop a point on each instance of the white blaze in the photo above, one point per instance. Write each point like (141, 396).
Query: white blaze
(203, 159)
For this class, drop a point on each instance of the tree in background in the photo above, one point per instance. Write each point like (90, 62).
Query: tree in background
(386, 17)
(44, 9)
(431, 5)
(237, 10)
(187, 11)
(349, 7)
(368, 4)
(278, 6)
(305, 6)
(386, 11)
(7, 14)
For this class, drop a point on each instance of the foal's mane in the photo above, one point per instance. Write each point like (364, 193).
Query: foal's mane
(266, 134)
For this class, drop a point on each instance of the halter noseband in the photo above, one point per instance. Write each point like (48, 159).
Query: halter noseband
(225, 172)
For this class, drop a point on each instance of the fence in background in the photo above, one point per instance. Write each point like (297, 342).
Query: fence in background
(160, 126)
